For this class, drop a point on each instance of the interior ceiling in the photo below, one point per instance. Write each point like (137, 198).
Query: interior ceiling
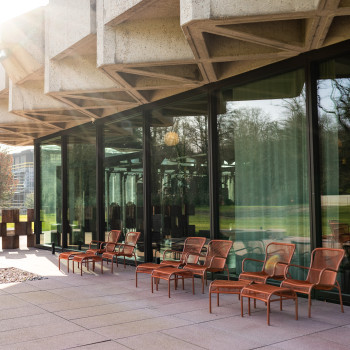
(221, 48)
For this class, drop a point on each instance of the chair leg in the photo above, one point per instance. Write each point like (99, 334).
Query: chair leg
(203, 284)
(112, 265)
(135, 260)
(124, 262)
(136, 278)
(340, 296)
(268, 312)
(309, 305)
(280, 303)
(209, 300)
(217, 299)
(228, 273)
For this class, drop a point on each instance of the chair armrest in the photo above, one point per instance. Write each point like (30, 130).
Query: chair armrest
(123, 245)
(170, 250)
(213, 258)
(94, 242)
(250, 259)
(322, 272)
(286, 271)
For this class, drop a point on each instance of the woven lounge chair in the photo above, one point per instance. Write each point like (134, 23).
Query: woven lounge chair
(113, 237)
(277, 257)
(322, 274)
(126, 249)
(215, 260)
(190, 253)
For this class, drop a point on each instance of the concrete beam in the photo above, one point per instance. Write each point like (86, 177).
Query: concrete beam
(67, 24)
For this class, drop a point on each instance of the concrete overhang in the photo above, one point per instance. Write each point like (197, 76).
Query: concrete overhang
(76, 61)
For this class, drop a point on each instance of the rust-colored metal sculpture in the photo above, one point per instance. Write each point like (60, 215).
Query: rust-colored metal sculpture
(322, 274)
(126, 249)
(277, 257)
(113, 237)
(190, 253)
(215, 260)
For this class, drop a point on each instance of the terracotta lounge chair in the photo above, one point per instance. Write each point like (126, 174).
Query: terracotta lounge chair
(215, 260)
(190, 253)
(113, 237)
(277, 257)
(322, 274)
(126, 249)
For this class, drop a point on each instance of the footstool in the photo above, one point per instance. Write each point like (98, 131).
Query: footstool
(146, 268)
(86, 258)
(225, 287)
(67, 256)
(265, 292)
(171, 274)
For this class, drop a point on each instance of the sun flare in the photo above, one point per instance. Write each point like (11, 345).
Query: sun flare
(14, 8)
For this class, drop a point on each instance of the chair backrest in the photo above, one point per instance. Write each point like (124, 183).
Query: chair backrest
(114, 235)
(217, 253)
(277, 252)
(131, 239)
(192, 245)
(324, 258)
(110, 247)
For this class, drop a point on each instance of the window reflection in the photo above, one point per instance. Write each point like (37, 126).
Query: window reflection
(334, 123)
(51, 192)
(179, 166)
(124, 177)
(81, 152)
(263, 165)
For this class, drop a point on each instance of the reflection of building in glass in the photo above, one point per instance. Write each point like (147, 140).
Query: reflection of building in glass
(23, 171)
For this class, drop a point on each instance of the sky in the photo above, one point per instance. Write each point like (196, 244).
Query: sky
(14, 8)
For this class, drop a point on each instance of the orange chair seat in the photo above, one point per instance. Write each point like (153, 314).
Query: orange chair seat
(95, 251)
(258, 277)
(172, 263)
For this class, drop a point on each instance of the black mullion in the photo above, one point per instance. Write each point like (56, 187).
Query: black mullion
(213, 165)
(37, 192)
(64, 175)
(100, 183)
(147, 229)
(313, 156)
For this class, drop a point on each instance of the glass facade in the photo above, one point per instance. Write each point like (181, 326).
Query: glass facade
(257, 158)
(81, 160)
(51, 196)
(123, 169)
(262, 132)
(179, 174)
(333, 88)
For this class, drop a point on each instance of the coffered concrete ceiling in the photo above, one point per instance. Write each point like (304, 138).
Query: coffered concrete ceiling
(73, 62)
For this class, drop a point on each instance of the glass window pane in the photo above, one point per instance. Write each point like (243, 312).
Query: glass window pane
(179, 166)
(334, 123)
(263, 167)
(124, 177)
(51, 192)
(81, 153)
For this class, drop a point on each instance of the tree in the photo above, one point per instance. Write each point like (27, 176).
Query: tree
(7, 180)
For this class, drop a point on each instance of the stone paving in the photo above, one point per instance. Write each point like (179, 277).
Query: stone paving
(106, 311)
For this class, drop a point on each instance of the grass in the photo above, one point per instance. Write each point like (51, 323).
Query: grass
(293, 219)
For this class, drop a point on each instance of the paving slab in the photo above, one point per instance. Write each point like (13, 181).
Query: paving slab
(107, 312)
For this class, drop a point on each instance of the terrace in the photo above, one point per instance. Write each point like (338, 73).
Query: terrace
(106, 311)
